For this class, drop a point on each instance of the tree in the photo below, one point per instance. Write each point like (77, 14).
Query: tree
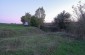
(79, 12)
(22, 19)
(26, 18)
(40, 14)
(62, 19)
(34, 21)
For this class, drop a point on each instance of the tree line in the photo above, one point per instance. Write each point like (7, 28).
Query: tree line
(62, 22)
(34, 20)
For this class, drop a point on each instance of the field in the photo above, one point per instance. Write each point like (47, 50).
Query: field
(20, 40)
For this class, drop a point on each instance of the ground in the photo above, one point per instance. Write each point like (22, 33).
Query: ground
(20, 40)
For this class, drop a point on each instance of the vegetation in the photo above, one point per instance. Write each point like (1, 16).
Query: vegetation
(66, 37)
(26, 18)
(33, 41)
(6, 30)
(63, 22)
(34, 21)
(62, 19)
(79, 25)
(37, 20)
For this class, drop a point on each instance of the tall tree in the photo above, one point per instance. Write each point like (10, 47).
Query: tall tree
(61, 19)
(79, 12)
(36, 20)
(27, 17)
(40, 14)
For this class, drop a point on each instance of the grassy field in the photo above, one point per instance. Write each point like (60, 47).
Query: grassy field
(19, 40)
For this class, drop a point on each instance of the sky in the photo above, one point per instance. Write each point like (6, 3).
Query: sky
(12, 10)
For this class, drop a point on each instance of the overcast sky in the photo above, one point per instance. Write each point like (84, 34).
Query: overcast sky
(12, 10)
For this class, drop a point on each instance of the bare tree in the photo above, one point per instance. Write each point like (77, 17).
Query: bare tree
(79, 11)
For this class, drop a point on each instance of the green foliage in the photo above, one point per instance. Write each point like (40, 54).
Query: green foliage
(34, 21)
(62, 19)
(33, 41)
(40, 14)
(26, 18)
(22, 19)
(76, 48)
(10, 30)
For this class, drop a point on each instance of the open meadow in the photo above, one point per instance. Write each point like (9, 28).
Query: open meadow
(20, 40)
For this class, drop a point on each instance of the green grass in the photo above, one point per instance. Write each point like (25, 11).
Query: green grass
(14, 30)
(33, 41)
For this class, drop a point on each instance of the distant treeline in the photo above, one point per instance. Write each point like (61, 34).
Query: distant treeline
(62, 22)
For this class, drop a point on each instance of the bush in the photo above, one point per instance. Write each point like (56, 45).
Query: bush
(61, 20)
(34, 21)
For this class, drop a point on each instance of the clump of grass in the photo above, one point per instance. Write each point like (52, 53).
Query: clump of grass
(7, 33)
(10, 45)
